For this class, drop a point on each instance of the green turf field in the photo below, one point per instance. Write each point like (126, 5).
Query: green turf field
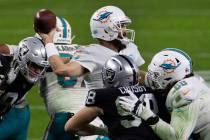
(183, 24)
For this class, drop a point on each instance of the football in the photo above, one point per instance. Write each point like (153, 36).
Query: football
(44, 21)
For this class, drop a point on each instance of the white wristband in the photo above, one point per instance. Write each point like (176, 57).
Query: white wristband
(51, 50)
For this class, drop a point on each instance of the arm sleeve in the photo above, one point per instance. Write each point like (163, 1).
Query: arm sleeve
(85, 59)
(183, 121)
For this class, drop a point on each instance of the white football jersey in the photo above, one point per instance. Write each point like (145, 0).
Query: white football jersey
(93, 58)
(53, 81)
(193, 93)
(60, 93)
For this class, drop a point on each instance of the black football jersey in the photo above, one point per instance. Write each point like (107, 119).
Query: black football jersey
(13, 91)
(121, 125)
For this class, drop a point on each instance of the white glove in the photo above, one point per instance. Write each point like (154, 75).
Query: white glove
(146, 111)
(131, 103)
(138, 107)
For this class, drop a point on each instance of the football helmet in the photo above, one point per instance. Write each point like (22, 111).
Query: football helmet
(167, 67)
(120, 70)
(109, 23)
(32, 58)
(63, 33)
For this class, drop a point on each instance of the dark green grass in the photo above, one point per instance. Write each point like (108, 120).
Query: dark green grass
(183, 24)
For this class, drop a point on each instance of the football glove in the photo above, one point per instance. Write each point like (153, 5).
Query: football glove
(138, 107)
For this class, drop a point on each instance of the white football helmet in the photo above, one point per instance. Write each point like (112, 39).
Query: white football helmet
(108, 23)
(167, 67)
(120, 70)
(32, 58)
(63, 34)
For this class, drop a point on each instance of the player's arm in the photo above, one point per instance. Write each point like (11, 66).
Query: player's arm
(142, 75)
(56, 63)
(7, 49)
(183, 120)
(72, 68)
(79, 123)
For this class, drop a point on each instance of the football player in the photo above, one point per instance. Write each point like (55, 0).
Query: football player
(63, 96)
(187, 97)
(109, 26)
(21, 67)
(120, 76)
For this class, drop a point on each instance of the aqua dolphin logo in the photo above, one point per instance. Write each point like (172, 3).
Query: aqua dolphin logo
(169, 66)
(103, 16)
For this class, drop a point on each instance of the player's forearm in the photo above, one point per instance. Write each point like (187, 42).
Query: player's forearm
(91, 130)
(164, 130)
(58, 66)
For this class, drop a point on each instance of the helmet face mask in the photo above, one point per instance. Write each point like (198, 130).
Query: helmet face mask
(124, 34)
(168, 67)
(32, 59)
(107, 24)
(35, 71)
(120, 70)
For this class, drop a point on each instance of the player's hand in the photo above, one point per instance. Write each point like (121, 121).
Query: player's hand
(48, 38)
(146, 111)
(131, 103)
(138, 107)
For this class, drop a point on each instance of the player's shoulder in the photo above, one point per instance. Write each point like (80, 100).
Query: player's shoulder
(102, 95)
(183, 92)
(6, 59)
(132, 44)
(5, 65)
(92, 46)
(88, 49)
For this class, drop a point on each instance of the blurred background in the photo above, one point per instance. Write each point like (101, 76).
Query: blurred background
(183, 24)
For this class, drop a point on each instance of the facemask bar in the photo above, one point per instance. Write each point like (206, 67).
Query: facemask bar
(155, 79)
(125, 35)
(30, 73)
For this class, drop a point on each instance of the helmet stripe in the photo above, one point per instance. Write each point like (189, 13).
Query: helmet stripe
(181, 52)
(64, 27)
(133, 69)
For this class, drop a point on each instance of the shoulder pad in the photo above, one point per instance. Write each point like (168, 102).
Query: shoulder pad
(181, 94)
(90, 100)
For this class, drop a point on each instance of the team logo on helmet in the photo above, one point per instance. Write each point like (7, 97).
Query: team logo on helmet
(110, 74)
(23, 51)
(103, 16)
(169, 65)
